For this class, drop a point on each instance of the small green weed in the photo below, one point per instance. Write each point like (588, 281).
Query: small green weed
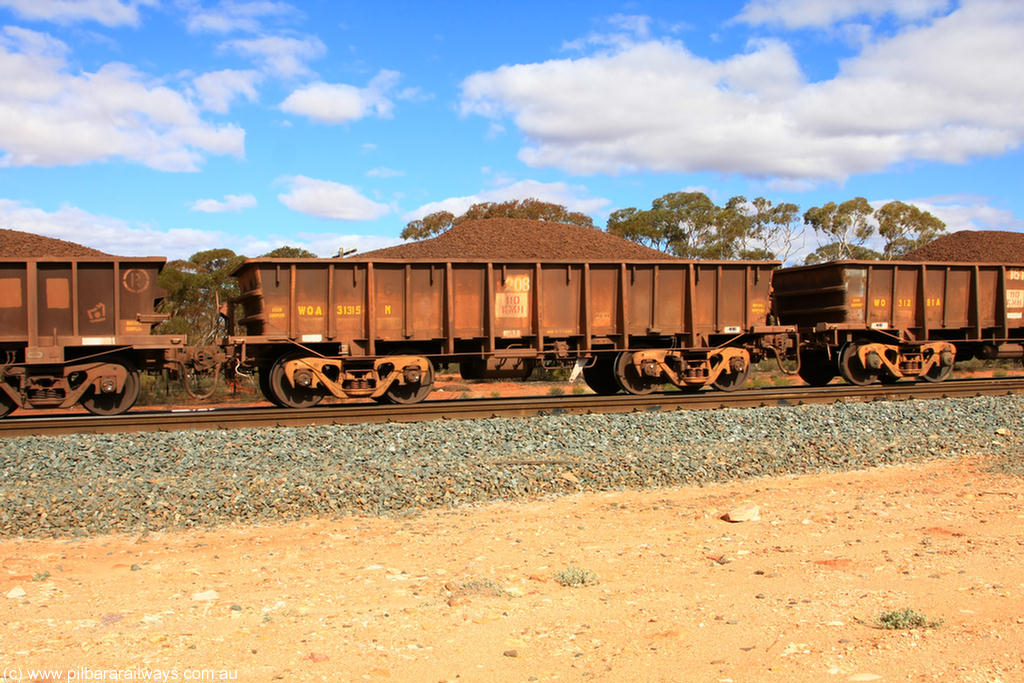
(905, 618)
(575, 576)
(556, 391)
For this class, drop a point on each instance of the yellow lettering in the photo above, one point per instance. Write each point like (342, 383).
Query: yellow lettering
(518, 283)
(387, 309)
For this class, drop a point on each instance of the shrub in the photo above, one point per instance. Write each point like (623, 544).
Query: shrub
(575, 576)
(906, 618)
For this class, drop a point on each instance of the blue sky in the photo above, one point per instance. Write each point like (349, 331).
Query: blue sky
(165, 127)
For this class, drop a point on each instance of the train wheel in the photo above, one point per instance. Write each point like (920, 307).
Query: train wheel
(471, 369)
(600, 376)
(852, 370)
(731, 381)
(264, 379)
(284, 394)
(816, 369)
(628, 378)
(410, 393)
(111, 403)
(937, 373)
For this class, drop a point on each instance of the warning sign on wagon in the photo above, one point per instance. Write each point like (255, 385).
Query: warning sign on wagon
(511, 305)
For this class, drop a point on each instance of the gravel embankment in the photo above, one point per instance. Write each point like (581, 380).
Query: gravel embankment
(61, 486)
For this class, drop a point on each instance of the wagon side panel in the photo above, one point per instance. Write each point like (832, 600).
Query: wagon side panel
(349, 308)
(13, 298)
(560, 300)
(514, 301)
(605, 300)
(468, 310)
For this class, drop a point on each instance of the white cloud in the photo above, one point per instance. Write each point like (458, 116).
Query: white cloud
(572, 197)
(327, 199)
(229, 16)
(969, 212)
(336, 103)
(122, 238)
(218, 89)
(326, 245)
(50, 117)
(106, 233)
(231, 202)
(106, 12)
(948, 91)
(795, 14)
(384, 172)
(277, 55)
(623, 30)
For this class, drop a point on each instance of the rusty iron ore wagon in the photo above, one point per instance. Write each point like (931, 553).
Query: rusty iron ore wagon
(380, 328)
(885, 320)
(79, 330)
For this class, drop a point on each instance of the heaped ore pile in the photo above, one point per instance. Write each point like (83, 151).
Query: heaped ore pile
(17, 244)
(981, 246)
(503, 239)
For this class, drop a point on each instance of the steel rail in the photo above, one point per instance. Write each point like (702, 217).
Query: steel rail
(470, 409)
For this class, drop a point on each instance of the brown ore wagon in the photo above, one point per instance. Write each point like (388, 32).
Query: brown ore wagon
(380, 328)
(884, 320)
(78, 330)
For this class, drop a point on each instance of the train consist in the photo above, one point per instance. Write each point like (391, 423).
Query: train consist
(79, 330)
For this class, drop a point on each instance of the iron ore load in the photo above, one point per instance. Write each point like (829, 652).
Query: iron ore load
(378, 328)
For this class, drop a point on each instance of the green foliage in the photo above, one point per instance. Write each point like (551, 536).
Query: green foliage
(428, 226)
(833, 251)
(846, 227)
(906, 227)
(531, 209)
(906, 618)
(575, 576)
(289, 252)
(690, 225)
(196, 290)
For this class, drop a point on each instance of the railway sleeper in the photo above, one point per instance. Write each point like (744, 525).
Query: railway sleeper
(387, 376)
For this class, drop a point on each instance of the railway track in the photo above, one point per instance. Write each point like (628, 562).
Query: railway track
(468, 409)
